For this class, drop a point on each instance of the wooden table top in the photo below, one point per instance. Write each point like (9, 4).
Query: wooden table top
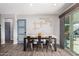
(39, 37)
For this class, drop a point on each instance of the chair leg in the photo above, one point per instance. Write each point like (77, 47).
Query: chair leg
(51, 47)
(47, 48)
(31, 46)
(42, 46)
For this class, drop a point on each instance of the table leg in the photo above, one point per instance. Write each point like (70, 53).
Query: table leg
(24, 44)
(55, 48)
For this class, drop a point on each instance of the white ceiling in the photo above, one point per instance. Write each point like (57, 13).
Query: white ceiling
(32, 9)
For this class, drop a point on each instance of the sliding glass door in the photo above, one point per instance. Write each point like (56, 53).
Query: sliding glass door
(66, 32)
(76, 32)
(76, 38)
(71, 32)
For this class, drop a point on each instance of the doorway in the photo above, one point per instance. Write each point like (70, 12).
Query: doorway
(7, 33)
(71, 32)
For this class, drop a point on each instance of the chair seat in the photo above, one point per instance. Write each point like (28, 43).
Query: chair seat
(38, 42)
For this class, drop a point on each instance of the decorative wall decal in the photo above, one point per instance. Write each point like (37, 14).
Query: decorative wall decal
(39, 25)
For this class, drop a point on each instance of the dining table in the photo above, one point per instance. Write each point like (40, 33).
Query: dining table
(39, 37)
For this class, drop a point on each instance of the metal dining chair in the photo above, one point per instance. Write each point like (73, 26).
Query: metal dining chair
(40, 42)
(50, 44)
(30, 42)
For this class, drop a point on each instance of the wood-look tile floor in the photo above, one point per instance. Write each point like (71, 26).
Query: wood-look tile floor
(17, 50)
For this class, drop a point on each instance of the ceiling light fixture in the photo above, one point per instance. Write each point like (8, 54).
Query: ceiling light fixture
(31, 4)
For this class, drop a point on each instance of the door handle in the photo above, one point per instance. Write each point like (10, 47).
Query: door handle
(25, 32)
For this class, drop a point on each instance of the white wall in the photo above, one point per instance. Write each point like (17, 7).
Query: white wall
(2, 31)
(6, 18)
(53, 20)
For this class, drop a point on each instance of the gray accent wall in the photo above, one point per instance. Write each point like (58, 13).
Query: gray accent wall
(0, 29)
(62, 32)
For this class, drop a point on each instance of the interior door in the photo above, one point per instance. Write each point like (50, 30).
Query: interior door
(7, 32)
(21, 24)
